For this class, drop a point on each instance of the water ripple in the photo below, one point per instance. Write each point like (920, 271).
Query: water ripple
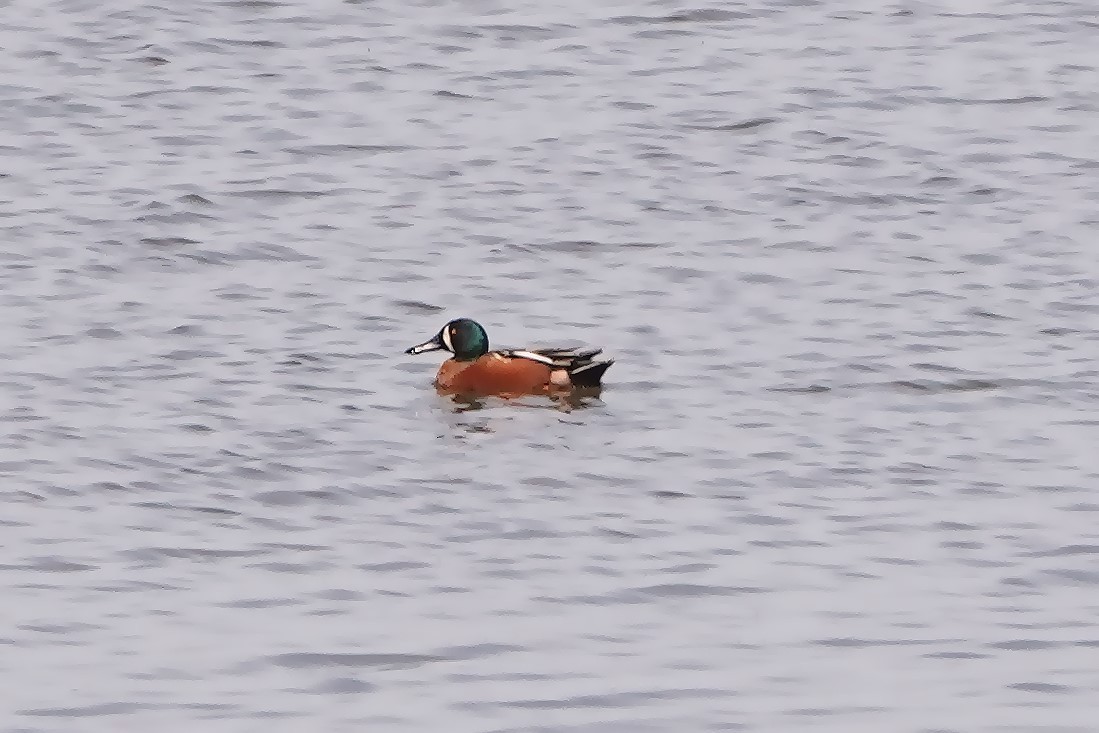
(842, 256)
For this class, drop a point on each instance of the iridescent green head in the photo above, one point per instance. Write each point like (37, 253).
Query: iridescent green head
(464, 338)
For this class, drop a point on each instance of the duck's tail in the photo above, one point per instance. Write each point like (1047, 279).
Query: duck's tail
(589, 373)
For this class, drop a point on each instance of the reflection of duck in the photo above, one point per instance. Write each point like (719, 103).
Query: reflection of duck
(475, 370)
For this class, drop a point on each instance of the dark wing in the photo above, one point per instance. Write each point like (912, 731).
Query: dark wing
(568, 359)
(580, 364)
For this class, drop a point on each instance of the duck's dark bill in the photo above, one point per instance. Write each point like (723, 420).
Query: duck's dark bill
(432, 345)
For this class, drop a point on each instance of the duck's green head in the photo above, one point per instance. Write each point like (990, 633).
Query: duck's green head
(464, 338)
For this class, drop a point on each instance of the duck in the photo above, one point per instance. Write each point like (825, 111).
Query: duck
(475, 370)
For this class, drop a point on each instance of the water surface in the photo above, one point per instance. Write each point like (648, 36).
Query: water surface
(841, 479)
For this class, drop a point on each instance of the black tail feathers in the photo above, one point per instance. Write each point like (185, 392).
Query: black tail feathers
(589, 374)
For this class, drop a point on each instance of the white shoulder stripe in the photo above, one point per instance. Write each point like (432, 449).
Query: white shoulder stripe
(532, 356)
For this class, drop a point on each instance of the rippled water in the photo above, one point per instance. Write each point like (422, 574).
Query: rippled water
(843, 474)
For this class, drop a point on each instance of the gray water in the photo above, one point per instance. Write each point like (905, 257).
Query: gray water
(843, 475)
